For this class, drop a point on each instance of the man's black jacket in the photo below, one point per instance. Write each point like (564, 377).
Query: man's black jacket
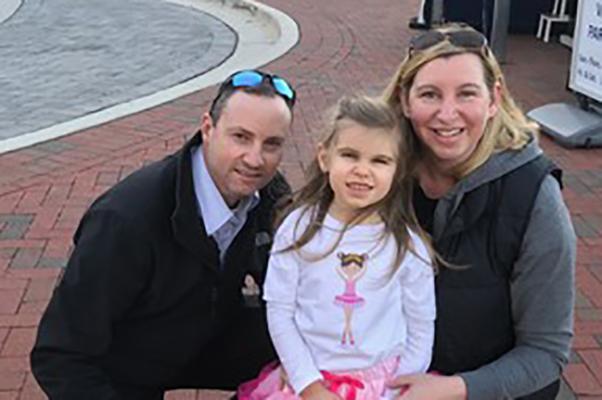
(143, 292)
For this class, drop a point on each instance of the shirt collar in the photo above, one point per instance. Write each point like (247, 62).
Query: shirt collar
(212, 207)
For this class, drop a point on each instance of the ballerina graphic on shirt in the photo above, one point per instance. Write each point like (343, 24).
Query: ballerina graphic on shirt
(351, 270)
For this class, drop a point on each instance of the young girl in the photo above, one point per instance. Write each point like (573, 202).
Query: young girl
(349, 287)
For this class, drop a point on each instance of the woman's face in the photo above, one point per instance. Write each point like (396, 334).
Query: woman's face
(449, 105)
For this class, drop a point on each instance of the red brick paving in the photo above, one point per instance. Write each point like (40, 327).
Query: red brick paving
(581, 380)
(344, 46)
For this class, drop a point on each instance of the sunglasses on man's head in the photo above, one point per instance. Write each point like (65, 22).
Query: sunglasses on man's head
(464, 38)
(254, 78)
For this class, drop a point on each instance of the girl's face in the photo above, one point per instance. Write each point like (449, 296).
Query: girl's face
(361, 164)
(449, 105)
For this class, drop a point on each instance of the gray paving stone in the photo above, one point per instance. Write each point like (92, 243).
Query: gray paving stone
(565, 392)
(26, 258)
(581, 301)
(46, 262)
(591, 178)
(62, 59)
(16, 218)
(574, 357)
(15, 226)
(13, 231)
(572, 181)
(582, 228)
(54, 147)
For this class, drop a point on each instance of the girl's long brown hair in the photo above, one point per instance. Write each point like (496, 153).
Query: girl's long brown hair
(395, 209)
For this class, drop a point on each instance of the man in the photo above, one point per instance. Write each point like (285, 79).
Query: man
(151, 297)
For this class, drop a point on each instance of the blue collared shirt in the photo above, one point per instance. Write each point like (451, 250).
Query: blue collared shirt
(221, 222)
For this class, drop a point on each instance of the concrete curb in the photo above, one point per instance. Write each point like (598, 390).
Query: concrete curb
(264, 34)
(8, 8)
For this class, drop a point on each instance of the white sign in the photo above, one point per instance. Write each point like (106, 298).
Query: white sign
(586, 64)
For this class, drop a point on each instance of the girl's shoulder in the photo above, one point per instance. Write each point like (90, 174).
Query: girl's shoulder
(295, 223)
(418, 248)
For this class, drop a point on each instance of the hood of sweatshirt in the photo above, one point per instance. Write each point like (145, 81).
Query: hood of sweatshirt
(498, 165)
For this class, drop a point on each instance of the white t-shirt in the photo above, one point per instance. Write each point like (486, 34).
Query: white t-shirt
(323, 315)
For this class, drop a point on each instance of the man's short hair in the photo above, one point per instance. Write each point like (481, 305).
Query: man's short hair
(264, 89)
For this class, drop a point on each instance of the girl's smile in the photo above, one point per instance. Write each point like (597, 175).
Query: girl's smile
(361, 165)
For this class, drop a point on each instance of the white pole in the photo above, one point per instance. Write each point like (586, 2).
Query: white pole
(420, 19)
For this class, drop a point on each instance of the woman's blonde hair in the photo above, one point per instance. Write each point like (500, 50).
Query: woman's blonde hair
(507, 129)
(395, 209)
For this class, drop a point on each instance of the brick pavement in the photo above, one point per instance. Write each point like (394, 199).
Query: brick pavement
(344, 45)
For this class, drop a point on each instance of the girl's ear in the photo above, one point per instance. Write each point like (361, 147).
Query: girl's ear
(323, 158)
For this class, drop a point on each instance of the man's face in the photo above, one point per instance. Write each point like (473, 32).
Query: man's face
(244, 148)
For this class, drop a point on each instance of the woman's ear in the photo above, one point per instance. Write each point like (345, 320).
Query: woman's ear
(404, 103)
(323, 158)
(496, 99)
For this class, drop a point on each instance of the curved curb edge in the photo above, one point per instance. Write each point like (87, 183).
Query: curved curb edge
(8, 8)
(264, 34)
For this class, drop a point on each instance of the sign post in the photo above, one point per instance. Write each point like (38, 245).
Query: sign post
(499, 28)
(586, 63)
(570, 125)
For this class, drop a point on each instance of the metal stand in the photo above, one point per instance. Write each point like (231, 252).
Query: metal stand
(569, 125)
(499, 28)
(421, 21)
(546, 20)
(437, 12)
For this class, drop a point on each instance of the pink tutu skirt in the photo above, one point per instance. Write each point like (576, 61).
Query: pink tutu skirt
(364, 384)
(349, 300)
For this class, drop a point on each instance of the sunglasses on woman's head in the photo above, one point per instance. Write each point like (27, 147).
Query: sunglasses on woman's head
(464, 38)
(254, 78)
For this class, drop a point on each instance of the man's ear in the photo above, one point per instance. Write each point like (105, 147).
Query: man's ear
(206, 126)
(322, 158)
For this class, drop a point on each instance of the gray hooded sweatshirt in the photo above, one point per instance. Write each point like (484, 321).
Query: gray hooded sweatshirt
(541, 286)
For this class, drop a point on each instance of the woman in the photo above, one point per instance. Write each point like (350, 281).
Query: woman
(492, 203)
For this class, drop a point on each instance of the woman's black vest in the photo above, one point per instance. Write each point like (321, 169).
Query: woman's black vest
(484, 235)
